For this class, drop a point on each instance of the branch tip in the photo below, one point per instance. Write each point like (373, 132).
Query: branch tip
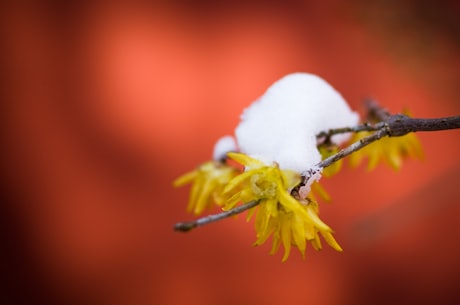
(185, 226)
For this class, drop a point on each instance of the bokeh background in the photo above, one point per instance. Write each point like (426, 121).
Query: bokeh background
(105, 103)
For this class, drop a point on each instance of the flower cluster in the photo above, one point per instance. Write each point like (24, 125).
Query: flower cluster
(209, 180)
(391, 150)
(291, 221)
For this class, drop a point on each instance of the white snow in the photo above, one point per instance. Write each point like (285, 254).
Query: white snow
(223, 146)
(281, 126)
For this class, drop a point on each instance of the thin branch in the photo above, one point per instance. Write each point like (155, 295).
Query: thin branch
(353, 147)
(358, 128)
(391, 125)
(187, 226)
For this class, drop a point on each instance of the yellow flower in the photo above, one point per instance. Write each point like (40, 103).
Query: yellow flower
(258, 182)
(292, 227)
(208, 182)
(291, 222)
(392, 150)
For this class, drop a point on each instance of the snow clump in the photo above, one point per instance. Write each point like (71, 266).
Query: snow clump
(281, 126)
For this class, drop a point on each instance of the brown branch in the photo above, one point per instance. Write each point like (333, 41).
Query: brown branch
(187, 226)
(390, 125)
(394, 126)
(400, 124)
(353, 147)
(358, 128)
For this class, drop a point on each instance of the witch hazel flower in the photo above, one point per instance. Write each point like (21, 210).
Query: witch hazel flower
(392, 151)
(209, 179)
(291, 222)
(208, 182)
(276, 145)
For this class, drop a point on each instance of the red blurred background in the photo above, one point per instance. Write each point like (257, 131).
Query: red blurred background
(107, 103)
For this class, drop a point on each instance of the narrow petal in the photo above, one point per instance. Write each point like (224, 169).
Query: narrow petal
(394, 159)
(204, 198)
(290, 203)
(236, 182)
(194, 193)
(276, 241)
(262, 220)
(272, 207)
(251, 213)
(231, 202)
(316, 242)
(285, 238)
(316, 220)
(299, 234)
(186, 178)
(263, 236)
(244, 159)
(331, 240)
(374, 158)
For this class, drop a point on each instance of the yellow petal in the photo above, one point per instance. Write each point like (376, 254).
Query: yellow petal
(331, 240)
(298, 233)
(194, 193)
(289, 203)
(276, 241)
(185, 178)
(204, 197)
(316, 221)
(262, 220)
(394, 159)
(327, 151)
(244, 159)
(374, 158)
(290, 179)
(316, 242)
(285, 238)
(237, 181)
(251, 213)
(232, 201)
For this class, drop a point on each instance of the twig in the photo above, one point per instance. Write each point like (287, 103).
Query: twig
(392, 125)
(187, 226)
(353, 147)
(358, 128)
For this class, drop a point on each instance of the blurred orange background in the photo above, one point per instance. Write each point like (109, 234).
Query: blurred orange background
(108, 103)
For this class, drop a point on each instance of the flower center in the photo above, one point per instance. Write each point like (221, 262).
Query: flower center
(264, 185)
